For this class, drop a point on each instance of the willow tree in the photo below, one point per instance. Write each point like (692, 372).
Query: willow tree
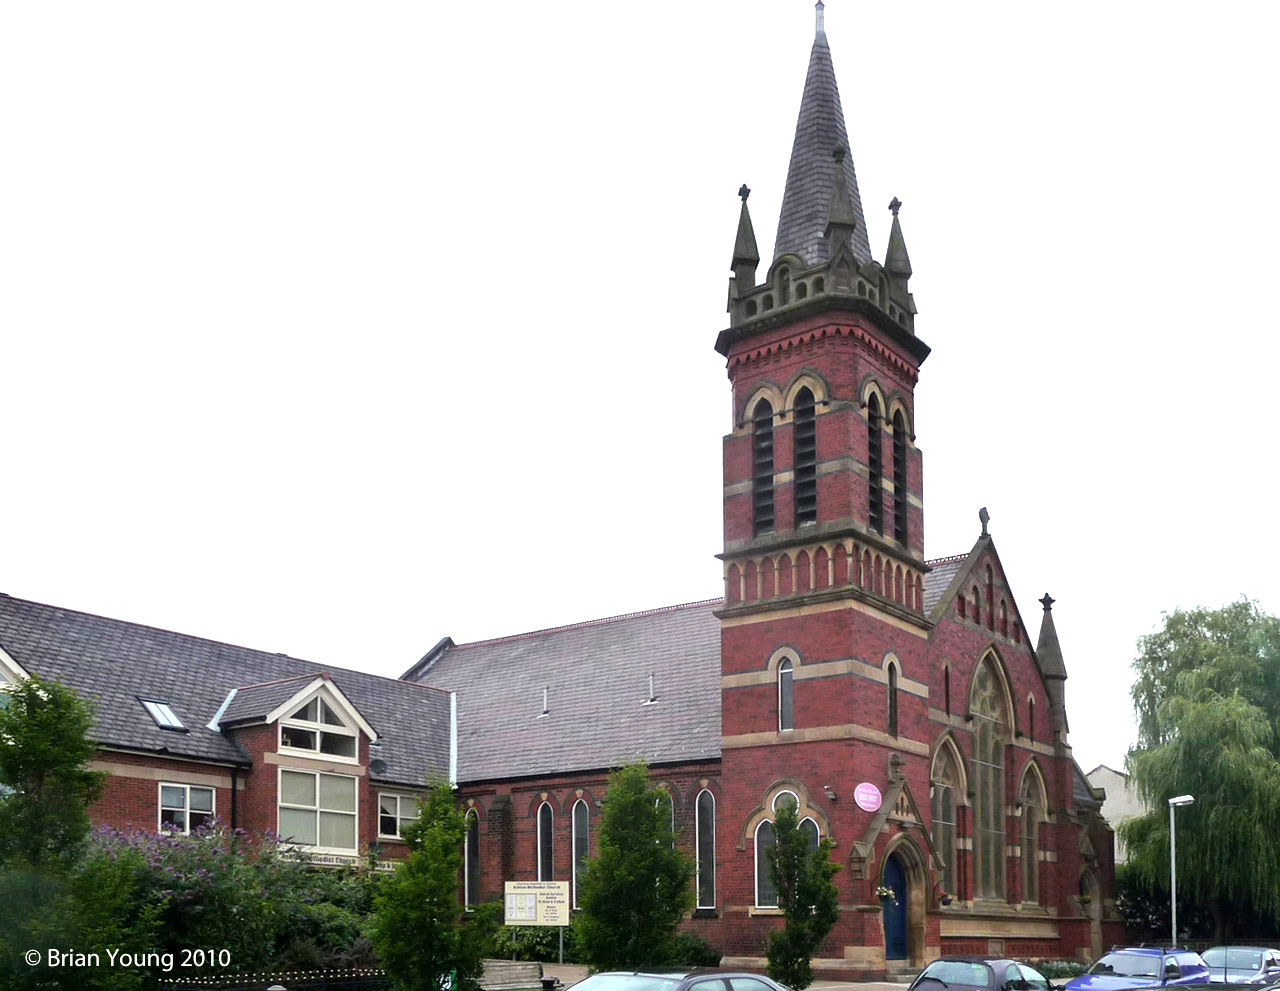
(1207, 699)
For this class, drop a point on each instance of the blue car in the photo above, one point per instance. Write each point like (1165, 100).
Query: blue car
(1139, 967)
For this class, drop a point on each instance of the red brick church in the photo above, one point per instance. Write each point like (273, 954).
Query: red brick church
(897, 701)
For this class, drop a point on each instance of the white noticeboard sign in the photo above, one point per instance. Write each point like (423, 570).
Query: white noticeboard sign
(537, 903)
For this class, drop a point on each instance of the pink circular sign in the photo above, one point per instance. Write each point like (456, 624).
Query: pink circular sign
(867, 796)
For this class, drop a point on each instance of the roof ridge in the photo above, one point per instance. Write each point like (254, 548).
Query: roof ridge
(280, 681)
(947, 560)
(589, 623)
(219, 643)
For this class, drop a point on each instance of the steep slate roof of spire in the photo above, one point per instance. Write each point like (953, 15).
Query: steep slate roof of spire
(810, 177)
(896, 260)
(1048, 652)
(744, 245)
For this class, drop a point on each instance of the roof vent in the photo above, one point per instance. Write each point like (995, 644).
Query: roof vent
(652, 699)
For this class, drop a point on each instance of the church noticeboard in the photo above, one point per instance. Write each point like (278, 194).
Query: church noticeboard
(537, 903)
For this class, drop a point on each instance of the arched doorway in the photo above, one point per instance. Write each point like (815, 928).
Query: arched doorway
(1091, 904)
(895, 909)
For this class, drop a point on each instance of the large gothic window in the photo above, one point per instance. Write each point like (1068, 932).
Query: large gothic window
(875, 467)
(806, 441)
(944, 791)
(1033, 807)
(991, 721)
(762, 467)
(899, 478)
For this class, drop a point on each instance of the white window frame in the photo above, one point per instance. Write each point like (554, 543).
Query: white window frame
(755, 879)
(400, 797)
(186, 807)
(280, 772)
(787, 713)
(697, 848)
(11, 671)
(345, 729)
(162, 714)
(469, 896)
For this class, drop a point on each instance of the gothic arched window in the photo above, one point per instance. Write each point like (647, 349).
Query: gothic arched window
(471, 859)
(899, 478)
(766, 890)
(546, 843)
(875, 468)
(1033, 807)
(806, 459)
(581, 843)
(705, 847)
(944, 790)
(762, 467)
(786, 706)
(893, 700)
(991, 722)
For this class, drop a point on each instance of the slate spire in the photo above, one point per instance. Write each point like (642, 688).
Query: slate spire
(896, 260)
(842, 222)
(745, 252)
(1048, 650)
(820, 129)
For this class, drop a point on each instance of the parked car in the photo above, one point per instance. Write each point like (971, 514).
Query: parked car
(687, 979)
(988, 973)
(1139, 967)
(1242, 964)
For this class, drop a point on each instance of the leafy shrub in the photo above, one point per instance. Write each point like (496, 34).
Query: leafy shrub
(691, 950)
(1055, 969)
(533, 943)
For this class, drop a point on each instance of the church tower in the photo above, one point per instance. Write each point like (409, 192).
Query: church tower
(822, 494)
(824, 631)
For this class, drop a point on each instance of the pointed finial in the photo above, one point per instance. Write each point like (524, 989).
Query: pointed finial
(894, 205)
(984, 518)
(896, 260)
(1047, 601)
(819, 31)
(744, 192)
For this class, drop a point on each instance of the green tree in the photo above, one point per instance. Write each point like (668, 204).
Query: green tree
(637, 887)
(807, 896)
(1207, 700)
(45, 787)
(418, 927)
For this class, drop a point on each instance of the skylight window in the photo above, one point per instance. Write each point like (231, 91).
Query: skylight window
(163, 714)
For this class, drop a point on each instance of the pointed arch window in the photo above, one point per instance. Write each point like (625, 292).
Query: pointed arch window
(546, 843)
(664, 803)
(581, 843)
(1033, 806)
(705, 846)
(944, 788)
(806, 441)
(893, 700)
(766, 890)
(762, 467)
(786, 707)
(875, 467)
(899, 478)
(991, 721)
(471, 858)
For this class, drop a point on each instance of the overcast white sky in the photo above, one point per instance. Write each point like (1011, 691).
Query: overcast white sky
(334, 329)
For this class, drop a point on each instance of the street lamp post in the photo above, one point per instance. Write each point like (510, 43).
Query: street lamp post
(1173, 863)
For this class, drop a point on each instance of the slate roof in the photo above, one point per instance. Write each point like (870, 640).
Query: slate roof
(938, 580)
(116, 662)
(820, 128)
(597, 676)
(251, 703)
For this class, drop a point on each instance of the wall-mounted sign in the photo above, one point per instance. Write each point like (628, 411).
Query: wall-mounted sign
(537, 903)
(867, 796)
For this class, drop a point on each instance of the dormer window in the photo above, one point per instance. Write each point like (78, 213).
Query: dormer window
(163, 714)
(315, 728)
